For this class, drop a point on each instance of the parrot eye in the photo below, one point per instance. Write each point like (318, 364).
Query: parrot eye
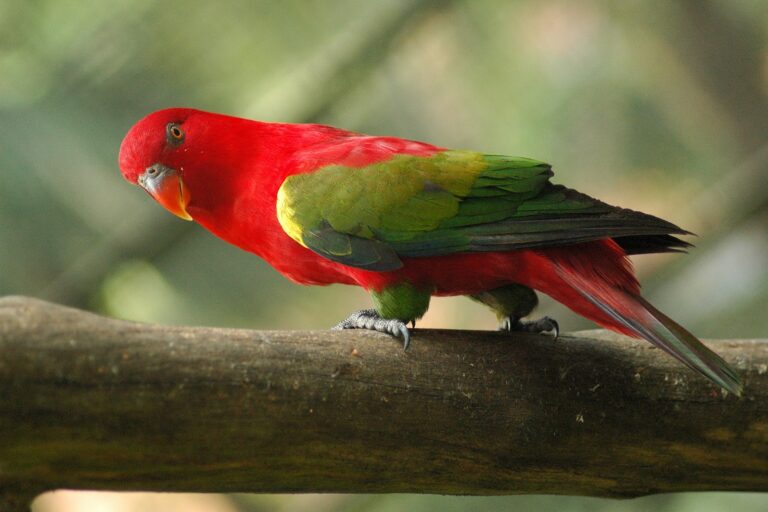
(174, 134)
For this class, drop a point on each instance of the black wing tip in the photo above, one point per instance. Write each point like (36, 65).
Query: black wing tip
(651, 244)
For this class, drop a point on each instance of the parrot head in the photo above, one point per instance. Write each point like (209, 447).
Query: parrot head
(194, 163)
(152, 156)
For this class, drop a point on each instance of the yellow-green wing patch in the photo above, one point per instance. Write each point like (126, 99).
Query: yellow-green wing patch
(351, 215)
(454, 201)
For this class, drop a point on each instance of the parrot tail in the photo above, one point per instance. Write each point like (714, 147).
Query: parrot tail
(613, 300)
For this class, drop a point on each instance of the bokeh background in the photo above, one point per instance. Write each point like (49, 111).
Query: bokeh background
(657, 106)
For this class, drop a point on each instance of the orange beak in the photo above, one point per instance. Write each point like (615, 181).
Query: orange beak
(167, 188)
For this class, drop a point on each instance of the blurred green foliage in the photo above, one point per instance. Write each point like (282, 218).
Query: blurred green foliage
(657, 106)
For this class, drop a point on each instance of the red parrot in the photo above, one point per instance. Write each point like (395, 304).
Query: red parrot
(408, 220)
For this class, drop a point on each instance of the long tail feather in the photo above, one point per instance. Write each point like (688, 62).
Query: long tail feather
(635, 315)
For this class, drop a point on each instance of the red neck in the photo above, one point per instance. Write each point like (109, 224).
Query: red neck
(236, 176)
(241, 154)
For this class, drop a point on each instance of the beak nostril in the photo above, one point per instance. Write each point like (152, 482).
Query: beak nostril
(165, 185)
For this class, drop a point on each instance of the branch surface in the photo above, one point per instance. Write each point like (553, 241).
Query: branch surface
(88, 402)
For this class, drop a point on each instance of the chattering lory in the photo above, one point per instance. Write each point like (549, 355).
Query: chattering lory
(407, 220)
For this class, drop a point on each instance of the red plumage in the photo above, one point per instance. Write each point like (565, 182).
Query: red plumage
(234, 168)
(252, 173)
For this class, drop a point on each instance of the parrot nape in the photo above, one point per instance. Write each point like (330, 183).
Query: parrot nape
(408, 220)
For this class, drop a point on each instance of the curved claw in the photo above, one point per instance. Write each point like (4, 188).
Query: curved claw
(543, 324)
(370, 319)
(406, 334)
(555, 327)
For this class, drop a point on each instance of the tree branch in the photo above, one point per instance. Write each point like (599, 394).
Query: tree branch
(93, 403)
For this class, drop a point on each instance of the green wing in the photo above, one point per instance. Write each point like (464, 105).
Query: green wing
(454, 201)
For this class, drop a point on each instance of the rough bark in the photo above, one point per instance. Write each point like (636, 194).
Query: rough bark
(88, 402)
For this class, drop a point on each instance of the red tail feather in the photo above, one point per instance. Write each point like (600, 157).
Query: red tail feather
(599, 284)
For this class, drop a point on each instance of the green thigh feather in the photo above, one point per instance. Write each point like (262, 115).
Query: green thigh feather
(514, 300)
(401, 301)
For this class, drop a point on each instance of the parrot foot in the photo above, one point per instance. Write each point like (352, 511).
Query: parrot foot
(543, 324)
(370, 319)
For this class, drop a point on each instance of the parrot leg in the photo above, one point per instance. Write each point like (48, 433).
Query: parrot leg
(511, 303)
(370, 319)
(395, 306)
